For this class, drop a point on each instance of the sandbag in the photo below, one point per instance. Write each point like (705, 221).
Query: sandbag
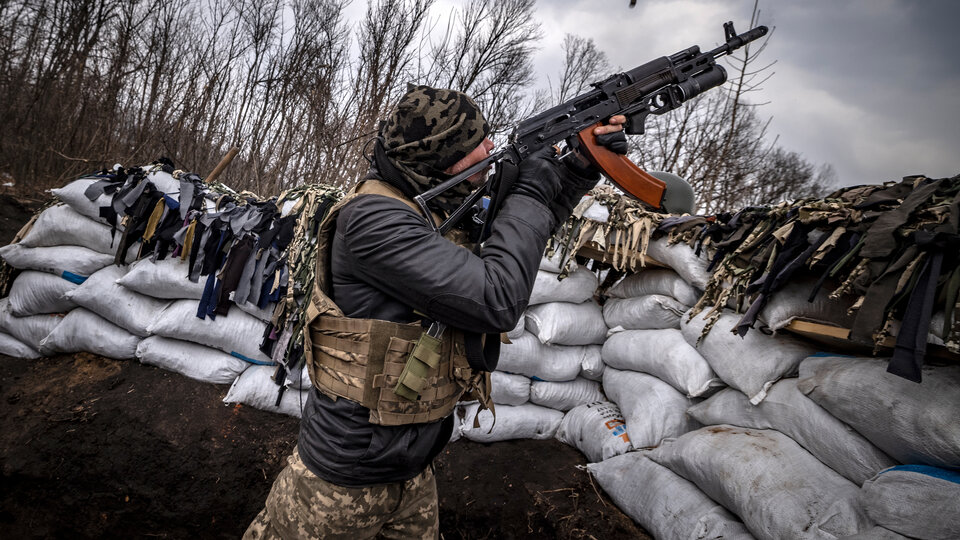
(299, 379)
(563, 323)
(597, 429)
(72, 194)
(750, 364)
(591, 366)
(61, 225)
(777, 488)
(683, 260)
(195, 361)
(265, 314)
(564, 396)
(662, 281)
(876, 533)
(653, 409)
(35, 293)
(162, 279)
(525, 421)
(912, 422)
(519, 329)
(654, 311)
(918, 501)
(255, 387)
(791, 303)
(11, 346)
(29, 330)
(129, 310)
(578, 287)
(664, 354)
(509, 389)
(552, 264)
(664, 503)
(85, 331)
(527, 356)
(788, 411)
(236, 333)
(162, 180)
(73, 262)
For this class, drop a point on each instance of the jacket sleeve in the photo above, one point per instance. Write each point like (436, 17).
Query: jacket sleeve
(391, 247)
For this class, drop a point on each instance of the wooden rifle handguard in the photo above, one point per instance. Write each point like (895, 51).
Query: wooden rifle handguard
(624, 173)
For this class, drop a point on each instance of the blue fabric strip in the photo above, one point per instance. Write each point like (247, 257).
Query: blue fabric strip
(172, 203)
(235, 354)
(73, 278)
(929, 470)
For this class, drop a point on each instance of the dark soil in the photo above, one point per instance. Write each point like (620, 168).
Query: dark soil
(92, 447)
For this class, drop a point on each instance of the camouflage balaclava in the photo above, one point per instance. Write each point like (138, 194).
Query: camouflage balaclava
(429, 130)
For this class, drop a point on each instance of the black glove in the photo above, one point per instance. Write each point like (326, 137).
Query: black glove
(582, 176)
(540, 177)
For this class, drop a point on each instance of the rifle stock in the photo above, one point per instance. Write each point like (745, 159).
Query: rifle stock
(624, 173)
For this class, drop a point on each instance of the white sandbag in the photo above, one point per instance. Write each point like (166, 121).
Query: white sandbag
(31, 329)
(236, 333)
(790, 412)
(654, 311)
(578, 287)
(130, 310)
(64, 261)
(552, 264)
(597, 429)
(85, 331)
(72, 194)
(525, 421)
(566, 395)
(162, 180)
(683, 260)
(299, 379)
(591, 367)
(11, 346)
(918, 501)
(61, 225)
(518, 330)
(777, 488)
(876, 533)
(663, 281)
(750, 364)
(35, 293)
(264, 314)
(527, 356)
(255, 387)
(163, 279)
(653, 409)
(563, 323)
(791, 303)
(911, 422)
(664, 503)
(663, 354)
(509, 389)
(195, 361)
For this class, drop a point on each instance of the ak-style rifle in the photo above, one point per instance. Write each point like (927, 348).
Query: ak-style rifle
(656, 87)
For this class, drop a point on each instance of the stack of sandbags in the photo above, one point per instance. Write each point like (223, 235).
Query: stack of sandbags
(552, 363)
(651, 373)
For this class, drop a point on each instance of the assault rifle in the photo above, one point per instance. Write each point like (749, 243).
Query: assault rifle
(656, 87)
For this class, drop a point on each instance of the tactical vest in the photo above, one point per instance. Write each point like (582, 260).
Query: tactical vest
(398, 371)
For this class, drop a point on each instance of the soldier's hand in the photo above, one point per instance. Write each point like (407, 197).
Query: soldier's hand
(541, 176)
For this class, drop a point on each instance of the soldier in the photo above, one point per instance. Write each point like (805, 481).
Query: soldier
(384, 389)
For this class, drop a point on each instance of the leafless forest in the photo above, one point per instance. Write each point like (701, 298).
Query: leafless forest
(300, 87)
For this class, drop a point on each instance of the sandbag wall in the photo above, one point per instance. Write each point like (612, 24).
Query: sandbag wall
(70, 296)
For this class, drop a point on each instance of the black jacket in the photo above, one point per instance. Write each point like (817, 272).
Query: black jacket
(388, 262)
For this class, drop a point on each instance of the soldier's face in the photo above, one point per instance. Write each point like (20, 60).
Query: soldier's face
(479, 153)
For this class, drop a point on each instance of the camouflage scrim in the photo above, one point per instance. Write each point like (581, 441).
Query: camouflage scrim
(301, 505)
(429, 130)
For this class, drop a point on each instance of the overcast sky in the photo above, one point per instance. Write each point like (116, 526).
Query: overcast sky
(869, 86)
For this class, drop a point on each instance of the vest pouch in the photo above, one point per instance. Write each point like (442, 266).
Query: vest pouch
(438, 392)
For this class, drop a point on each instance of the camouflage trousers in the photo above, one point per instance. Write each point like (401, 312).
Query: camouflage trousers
(301, 505)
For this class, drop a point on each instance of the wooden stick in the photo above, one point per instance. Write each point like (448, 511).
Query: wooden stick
(232, 153)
